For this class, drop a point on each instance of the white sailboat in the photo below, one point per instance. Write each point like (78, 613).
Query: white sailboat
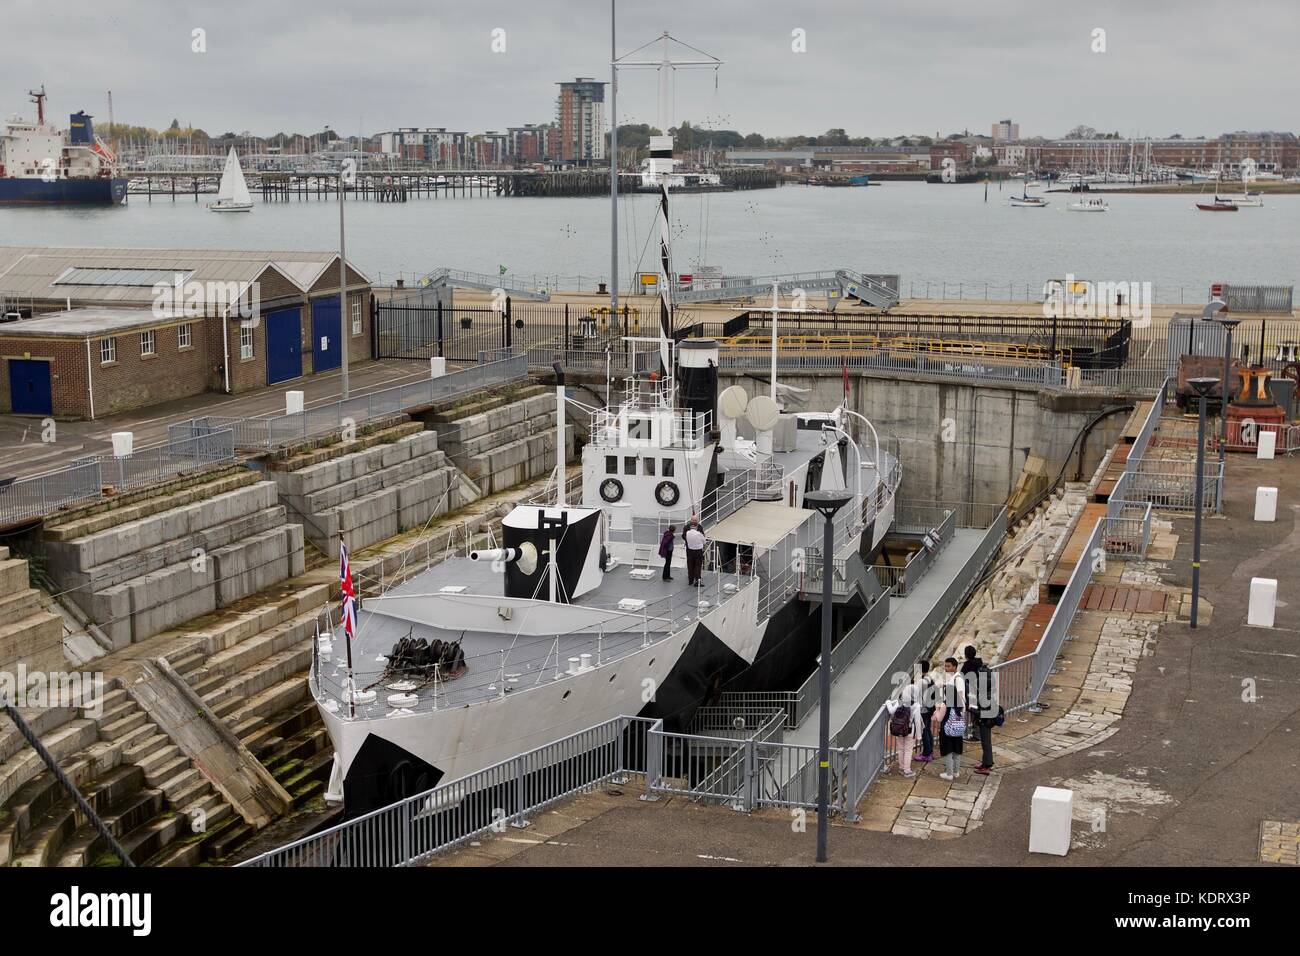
(232, 194)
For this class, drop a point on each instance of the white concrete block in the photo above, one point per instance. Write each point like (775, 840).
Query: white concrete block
(1265, 504)
(437, 366)
(1263, 602)
(1049, 820)
(292, 402)
(1267, 445)
(123, 443)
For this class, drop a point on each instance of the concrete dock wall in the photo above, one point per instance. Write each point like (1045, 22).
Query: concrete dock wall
(962, 441)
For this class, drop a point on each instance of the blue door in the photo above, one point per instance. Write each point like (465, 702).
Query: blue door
(283, 345)
(325, 340)
(29, 387)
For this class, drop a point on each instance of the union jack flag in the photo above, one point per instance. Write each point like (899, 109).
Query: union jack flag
(349, 609)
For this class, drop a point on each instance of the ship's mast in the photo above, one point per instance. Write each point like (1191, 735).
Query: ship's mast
(38, 97)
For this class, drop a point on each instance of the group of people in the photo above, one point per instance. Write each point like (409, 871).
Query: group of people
(694, 540)
(955, 705)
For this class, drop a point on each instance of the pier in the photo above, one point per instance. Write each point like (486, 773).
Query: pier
(403, 185)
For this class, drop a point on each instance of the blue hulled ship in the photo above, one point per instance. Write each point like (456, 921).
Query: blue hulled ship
(42, 165)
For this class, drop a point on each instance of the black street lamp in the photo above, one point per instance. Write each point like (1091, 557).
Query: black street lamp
(1228, 324)
(1203, 387)
(825, 503)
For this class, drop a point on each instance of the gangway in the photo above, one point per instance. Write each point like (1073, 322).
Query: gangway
(484, 282)
(880, 291)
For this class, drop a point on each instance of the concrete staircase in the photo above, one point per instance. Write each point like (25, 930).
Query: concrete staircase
(500, 441)
(371, 488)
(149, 794)
(148, 565)
(29, 634)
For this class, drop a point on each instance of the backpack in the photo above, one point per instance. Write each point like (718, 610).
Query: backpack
(900, 721)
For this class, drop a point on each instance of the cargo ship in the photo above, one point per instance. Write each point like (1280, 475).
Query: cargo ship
(40, 165)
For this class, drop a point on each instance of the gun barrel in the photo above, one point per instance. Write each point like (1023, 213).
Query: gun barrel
(495, 554)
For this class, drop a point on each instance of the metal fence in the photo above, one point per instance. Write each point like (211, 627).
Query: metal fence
(1170, 483)
(85, 479)
(1021, 680)
(275, 430)
(1127, 532)
(490, 800)
(1029, 373)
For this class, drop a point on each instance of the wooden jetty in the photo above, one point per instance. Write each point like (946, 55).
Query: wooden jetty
(402, 185)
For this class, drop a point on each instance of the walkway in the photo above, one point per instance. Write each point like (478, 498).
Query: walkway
(858, 680)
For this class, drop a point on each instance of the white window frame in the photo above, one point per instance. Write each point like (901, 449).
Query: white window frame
(108, 351)
(184, 338)
(245, 340)
(356, 316)
(148, 337)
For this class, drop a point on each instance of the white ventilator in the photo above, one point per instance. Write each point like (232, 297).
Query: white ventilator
(763, 414)
(731, 405)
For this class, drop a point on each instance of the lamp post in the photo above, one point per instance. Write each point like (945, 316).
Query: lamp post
(1203, 387)
(1228, 325)
(825, 503)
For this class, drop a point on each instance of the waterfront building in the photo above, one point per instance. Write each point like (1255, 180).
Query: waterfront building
(580, 119)
(100, 331)
(1005, 131)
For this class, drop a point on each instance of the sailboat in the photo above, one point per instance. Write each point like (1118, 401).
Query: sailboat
(1027, 200)
(232, 195)
(1220, 204)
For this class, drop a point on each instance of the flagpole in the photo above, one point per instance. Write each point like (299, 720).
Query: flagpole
(347, 629)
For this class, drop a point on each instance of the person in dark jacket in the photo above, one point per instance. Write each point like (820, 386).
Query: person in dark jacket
(970, 667)
(666, 550)
(928, 705)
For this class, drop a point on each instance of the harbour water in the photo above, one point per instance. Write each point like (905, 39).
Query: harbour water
(945, 241)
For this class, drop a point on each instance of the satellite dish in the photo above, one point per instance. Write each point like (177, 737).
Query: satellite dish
(763, 413)
(732, 401)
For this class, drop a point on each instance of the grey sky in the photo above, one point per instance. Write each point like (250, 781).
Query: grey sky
(874, 67)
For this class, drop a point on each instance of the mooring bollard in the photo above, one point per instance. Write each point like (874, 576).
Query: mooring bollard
(1263, 602)
(1265, 504)
(1050, 814)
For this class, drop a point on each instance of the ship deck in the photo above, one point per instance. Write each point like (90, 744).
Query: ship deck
(503, 662)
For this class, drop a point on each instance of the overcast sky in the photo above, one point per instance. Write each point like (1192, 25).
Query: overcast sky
(874, 67)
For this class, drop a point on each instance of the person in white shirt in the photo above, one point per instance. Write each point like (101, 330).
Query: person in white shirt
(951, 718)
(694, 554)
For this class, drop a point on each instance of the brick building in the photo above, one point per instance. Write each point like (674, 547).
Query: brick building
(107, 330)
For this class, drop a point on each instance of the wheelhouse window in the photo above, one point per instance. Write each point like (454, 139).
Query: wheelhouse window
(669, 468)
(629, 465)
(611, 464)
(639, 429)
(649, 465)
